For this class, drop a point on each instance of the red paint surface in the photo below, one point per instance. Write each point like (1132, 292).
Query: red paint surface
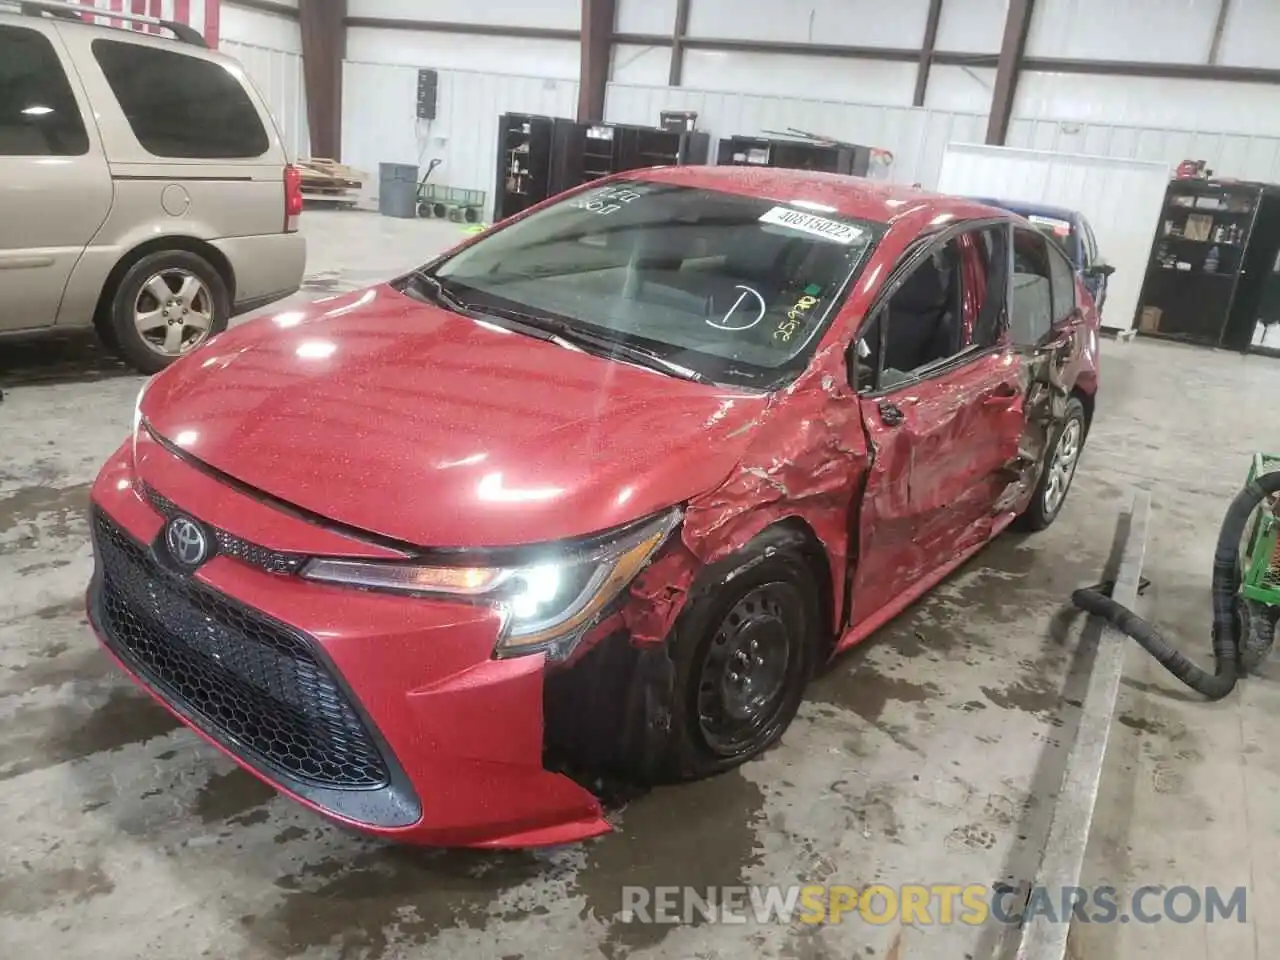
(398, 418)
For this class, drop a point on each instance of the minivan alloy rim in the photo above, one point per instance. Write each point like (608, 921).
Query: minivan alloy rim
(173, 312)
(1063, 466)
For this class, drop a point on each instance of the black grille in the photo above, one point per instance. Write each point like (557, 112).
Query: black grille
(229, 545)
(249, 679)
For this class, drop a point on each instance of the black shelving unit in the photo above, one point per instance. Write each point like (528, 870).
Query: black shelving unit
(524, 163)
(794, 155)
(1198, 260)
(583, 152)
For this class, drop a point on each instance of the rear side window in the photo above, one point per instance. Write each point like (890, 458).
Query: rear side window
(38, 112)
(1031, 308)
(1063, 279)
(181, 106)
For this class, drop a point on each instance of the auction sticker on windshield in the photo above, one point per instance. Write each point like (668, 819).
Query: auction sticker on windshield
(833, 230)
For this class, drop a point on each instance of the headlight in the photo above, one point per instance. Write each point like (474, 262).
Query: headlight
(137, 422)
(546, 605)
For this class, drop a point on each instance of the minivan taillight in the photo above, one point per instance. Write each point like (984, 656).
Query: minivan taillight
(292, 198)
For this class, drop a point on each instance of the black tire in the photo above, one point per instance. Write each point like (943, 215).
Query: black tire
(470, 215)
(129, 342)
(440, 211)
(1040, 512)
(424, 210)
(770, 590)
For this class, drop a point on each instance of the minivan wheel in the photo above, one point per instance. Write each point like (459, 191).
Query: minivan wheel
(1061, 459)
(744, 651)
(166, 305)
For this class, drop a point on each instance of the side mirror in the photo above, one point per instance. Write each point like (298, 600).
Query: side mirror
(1101, 270)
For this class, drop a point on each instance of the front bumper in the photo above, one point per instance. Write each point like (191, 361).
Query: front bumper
(385, 713)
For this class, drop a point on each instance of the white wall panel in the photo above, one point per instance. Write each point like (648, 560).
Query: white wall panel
(1150, 101)
(646, 16)
(636, 64)
(853, 22)
(869, 81)
(555, 14)
(967, 89)
(972, 26)
(1251, 37)
(241, 25)
(917, 137)
(278, 76)
(448, 51)
(1121, 198)
(1174, 31)
(379, 123)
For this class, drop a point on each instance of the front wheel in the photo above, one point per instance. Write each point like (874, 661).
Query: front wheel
(1059, 469)
(744, 650)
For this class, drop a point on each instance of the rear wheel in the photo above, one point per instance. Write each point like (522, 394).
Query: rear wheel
(166, 305)
(744, 652)
(1061, 459)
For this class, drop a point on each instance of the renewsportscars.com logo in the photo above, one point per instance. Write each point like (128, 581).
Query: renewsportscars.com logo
(930, 904)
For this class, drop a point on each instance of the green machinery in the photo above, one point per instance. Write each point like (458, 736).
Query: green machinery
(1260, 564)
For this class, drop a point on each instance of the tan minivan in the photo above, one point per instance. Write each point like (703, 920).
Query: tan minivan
(144, 187)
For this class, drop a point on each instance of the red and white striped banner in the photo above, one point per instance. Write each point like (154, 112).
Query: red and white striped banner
(204, 15)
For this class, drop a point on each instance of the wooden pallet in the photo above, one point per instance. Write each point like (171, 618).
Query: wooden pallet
(327, 181)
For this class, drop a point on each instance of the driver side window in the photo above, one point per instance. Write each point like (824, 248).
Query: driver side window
(950, 302)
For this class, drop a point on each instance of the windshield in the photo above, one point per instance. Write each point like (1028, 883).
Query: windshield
(733, 289)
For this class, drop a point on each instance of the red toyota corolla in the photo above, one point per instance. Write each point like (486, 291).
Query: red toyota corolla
(594, 493)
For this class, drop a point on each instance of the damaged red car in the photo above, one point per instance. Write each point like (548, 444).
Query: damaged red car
(590, 496)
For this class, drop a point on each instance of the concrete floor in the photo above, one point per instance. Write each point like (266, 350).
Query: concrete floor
(929, 755)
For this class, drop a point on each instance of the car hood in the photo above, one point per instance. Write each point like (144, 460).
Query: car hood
(406, 420)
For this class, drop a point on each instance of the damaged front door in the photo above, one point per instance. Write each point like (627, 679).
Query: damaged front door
(941, 400)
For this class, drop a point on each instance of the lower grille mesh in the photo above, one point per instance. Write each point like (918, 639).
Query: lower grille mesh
(249, 679)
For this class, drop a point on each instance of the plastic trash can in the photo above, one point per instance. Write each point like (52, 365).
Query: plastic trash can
(398, 190)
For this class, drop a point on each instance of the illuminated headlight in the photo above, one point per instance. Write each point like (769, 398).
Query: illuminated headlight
(546, 606)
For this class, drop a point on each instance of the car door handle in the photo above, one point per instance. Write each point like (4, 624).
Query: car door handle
(891, 414)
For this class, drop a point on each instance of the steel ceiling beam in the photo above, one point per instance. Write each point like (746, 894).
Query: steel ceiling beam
(1009, 65)
(596, 44)
(927, 52)
(324, 45)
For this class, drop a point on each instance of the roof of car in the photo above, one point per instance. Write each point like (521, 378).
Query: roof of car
(872, 200)
(1024, 207)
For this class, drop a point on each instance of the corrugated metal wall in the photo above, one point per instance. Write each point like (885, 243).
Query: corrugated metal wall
(380, 125)
(917, 137)
(278, 75)
(1228, 154)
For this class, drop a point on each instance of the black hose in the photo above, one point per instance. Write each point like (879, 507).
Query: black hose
(1227, 639)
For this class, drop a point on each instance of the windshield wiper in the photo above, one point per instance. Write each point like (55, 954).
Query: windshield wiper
(578, 337)
(441, 294)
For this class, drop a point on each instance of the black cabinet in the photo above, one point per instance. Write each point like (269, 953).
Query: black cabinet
(524, 163)
(539, 157)
(587, 151)
(1214, 274)
(850, 160)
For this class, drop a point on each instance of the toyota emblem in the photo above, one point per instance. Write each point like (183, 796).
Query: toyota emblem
(186, 542)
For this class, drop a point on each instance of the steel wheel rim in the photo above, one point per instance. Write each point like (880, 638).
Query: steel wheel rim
(744, 676)
(1062, 467)
(173, 312)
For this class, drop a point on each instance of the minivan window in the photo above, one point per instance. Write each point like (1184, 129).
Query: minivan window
(180, 106)
(736, 289)
(39, 116)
